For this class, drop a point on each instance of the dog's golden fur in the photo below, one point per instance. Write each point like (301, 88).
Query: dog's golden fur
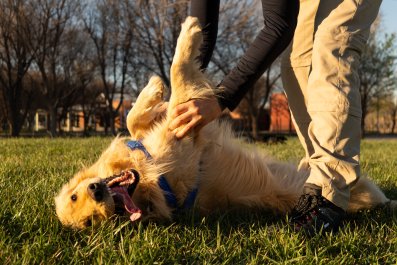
(227, 172)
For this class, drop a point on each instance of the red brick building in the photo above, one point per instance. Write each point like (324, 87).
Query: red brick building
(280, 116)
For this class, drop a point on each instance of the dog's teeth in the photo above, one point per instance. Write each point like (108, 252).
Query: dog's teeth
(125, 178)
(127, 182)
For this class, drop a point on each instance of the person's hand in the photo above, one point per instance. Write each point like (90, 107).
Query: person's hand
(194, 114)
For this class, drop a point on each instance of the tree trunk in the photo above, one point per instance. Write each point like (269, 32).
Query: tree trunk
(112, 122)
(15, 126)
(53, 121)
(394, 120)
(86, 117)
(106, 122)
(254, 125)
(15, 119)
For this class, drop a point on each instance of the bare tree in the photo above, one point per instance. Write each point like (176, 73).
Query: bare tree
(84, 74)
(16, 56)
(3, 118)
(52, 19)
(377, 70)
(156, 26)
(78, 70)
(235, 35)
(112, 39)
(384, 114)
(33, 80)
(253, 104)
(393, 114)
(128, 40)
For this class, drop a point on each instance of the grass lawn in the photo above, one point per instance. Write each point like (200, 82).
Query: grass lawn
(33, 170)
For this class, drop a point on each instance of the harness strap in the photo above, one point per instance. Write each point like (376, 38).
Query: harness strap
(138, 145)
(190, 199)
(169, 195)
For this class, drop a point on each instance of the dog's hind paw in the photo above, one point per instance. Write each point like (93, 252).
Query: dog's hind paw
(189, 42)
(191, 28)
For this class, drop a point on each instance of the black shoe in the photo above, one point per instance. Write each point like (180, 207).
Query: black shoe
(313, 214)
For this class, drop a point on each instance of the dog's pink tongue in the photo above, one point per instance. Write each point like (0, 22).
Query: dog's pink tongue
(129, 205)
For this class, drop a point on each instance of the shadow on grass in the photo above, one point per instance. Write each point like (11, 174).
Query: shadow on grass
(244, 221)
(241, 221)
(390, 192)
(233, 221)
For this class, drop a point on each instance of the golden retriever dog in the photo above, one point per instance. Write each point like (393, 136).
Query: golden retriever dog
(151, 174)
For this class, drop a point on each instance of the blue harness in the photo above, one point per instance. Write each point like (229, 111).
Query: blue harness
(163, 183)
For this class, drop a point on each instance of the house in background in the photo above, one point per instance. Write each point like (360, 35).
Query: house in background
(40, 120)
(280, 116)
(74, 120)
(275, 118)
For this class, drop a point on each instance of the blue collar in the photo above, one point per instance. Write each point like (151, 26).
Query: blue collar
(163, 183)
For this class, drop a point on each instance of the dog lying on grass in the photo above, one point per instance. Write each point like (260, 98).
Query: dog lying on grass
(152, 174)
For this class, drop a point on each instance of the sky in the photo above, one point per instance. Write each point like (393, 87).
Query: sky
(388, 10)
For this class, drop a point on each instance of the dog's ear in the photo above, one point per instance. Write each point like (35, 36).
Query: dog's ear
(83, 174)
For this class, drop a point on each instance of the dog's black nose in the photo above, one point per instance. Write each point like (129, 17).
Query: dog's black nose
(93, 186)
(95, 190)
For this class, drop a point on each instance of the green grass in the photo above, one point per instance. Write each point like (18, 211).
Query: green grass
(33, 170)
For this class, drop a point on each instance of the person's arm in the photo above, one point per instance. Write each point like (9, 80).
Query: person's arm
(196, 113)
(207, 12)
(280, 18)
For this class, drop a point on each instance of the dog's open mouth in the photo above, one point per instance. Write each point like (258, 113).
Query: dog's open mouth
(121, 187)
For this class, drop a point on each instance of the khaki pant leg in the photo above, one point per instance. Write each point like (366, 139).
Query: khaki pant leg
(333, 98)
(295, 83)
(295, 70)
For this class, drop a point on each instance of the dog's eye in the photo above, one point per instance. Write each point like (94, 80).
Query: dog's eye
(73, 197)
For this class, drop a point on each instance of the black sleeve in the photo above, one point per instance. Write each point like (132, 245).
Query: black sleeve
(280, 18)
(207, 12)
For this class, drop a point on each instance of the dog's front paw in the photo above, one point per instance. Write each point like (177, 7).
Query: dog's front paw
(153, 92)
(146, 108)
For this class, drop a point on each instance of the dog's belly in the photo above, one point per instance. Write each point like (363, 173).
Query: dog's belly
(232, 175)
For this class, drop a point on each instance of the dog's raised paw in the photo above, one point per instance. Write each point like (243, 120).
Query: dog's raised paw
(191, 30)
(154, 89)
(191, 24)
